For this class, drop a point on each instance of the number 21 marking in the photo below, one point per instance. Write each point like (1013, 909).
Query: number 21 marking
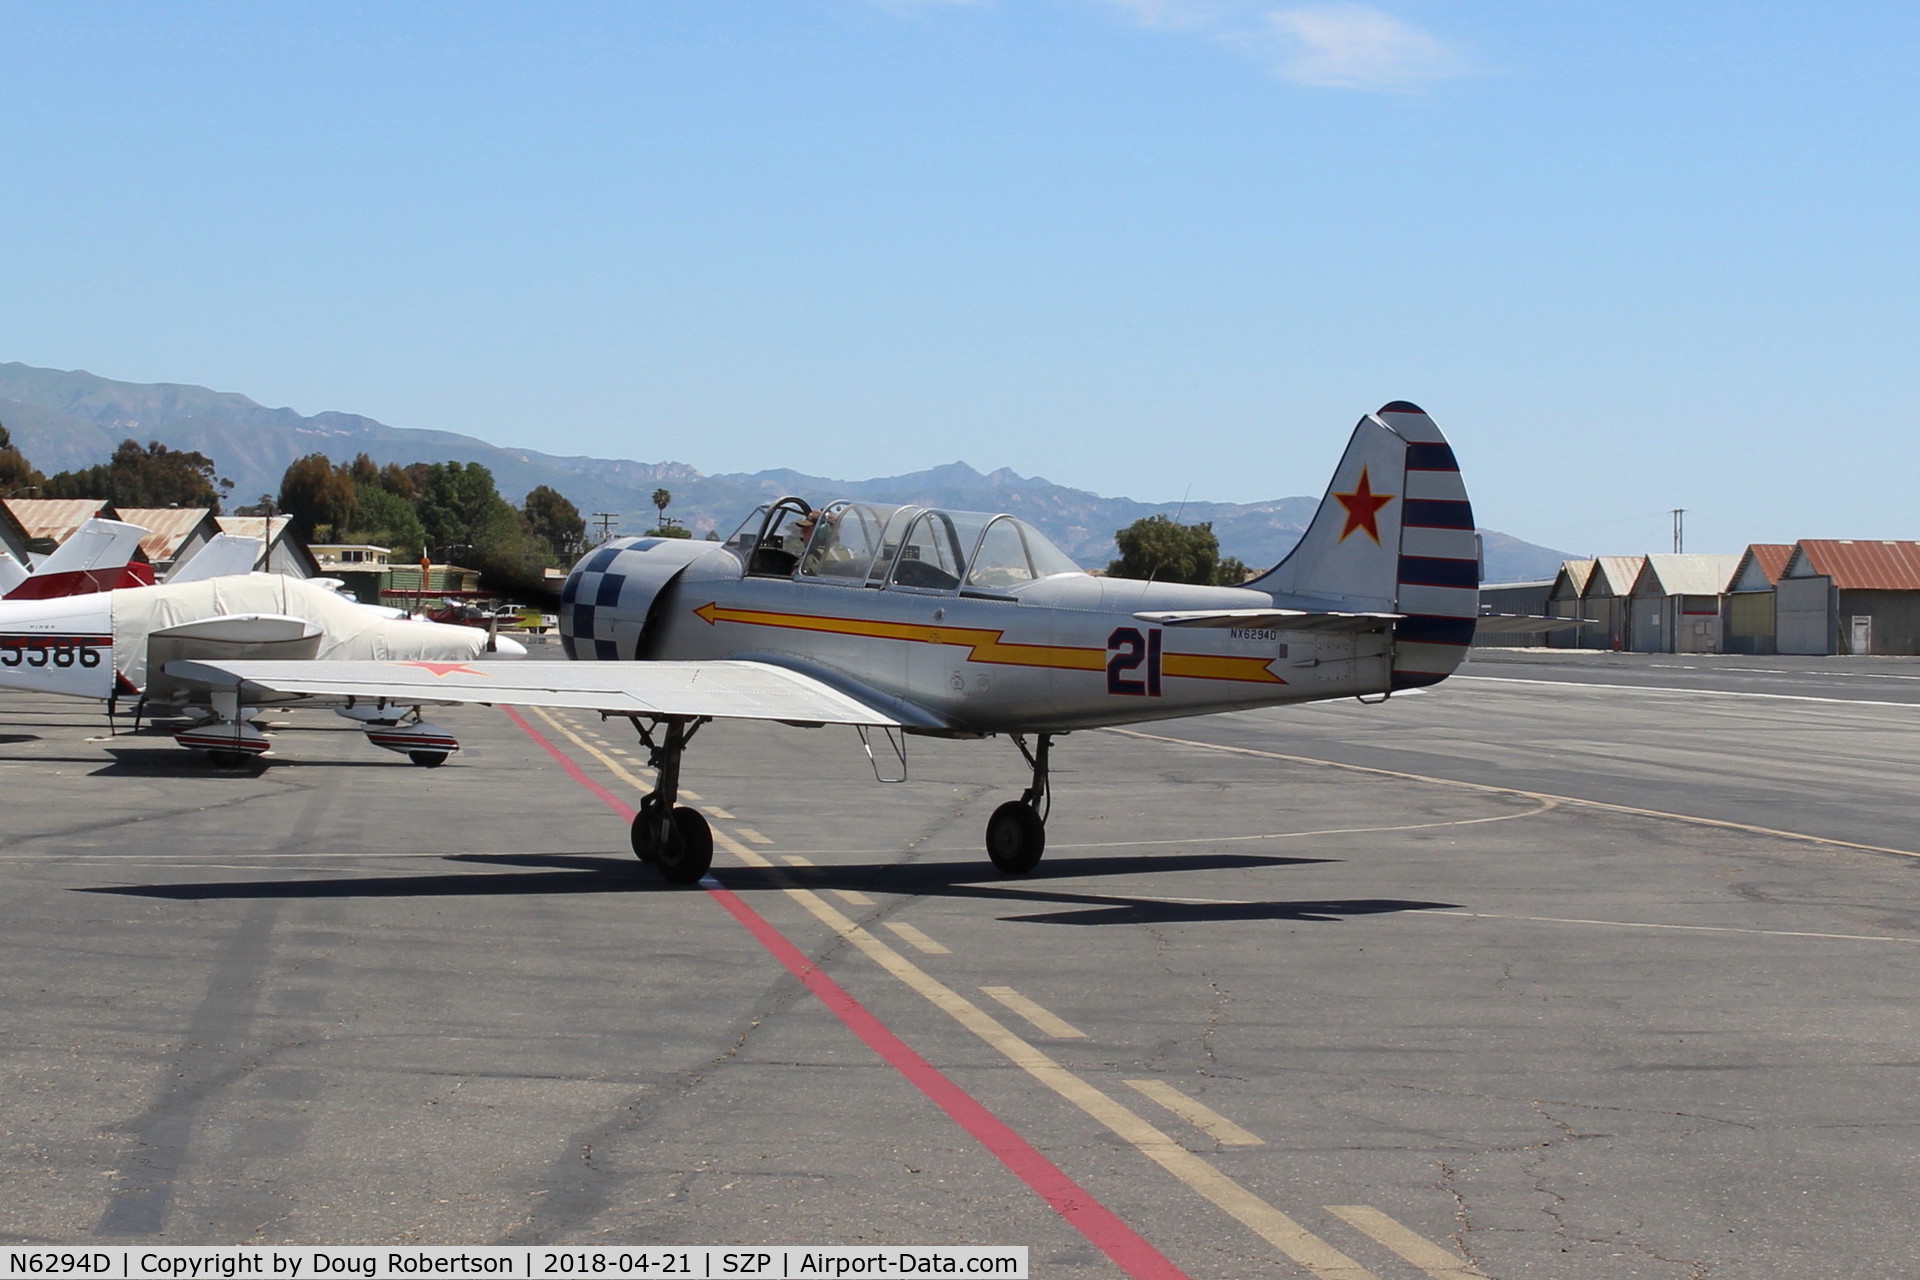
(1131, 651)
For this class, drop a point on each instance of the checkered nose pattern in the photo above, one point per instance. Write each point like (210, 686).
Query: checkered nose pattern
(1439, 565)
(586, 601)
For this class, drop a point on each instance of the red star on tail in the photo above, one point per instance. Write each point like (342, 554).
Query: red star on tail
(1363, 508)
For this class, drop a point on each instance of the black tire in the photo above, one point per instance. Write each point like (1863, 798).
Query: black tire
(643, 835)
(689, 853)
(428, 759)
(230, 759)
(1016, 837)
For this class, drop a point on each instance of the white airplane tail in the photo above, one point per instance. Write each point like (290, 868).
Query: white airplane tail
(1394, 534)
(12, 574)
(226, 555)
(93, 558)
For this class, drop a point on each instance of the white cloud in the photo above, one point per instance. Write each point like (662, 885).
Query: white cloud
(1355, 46)
(1337, 45)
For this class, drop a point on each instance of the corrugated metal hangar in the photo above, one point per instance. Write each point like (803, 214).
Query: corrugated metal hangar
(1816, 596)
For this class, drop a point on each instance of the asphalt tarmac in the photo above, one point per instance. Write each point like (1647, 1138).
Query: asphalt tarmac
(1575, 966)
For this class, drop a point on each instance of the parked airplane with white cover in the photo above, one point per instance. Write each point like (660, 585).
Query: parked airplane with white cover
(115, 646)
(964, 625)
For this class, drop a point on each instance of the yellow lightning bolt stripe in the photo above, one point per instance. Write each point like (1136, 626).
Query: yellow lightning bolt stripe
(992, 648)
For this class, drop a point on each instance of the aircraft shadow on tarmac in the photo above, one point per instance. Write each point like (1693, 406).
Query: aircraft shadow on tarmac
(171, 762)
(555, 873)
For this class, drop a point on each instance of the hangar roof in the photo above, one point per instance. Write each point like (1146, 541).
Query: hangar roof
(170, 526)
(1613, 575)
(56, 518)
(1771, 557)
(265, 528)
(1686, 575)
(1575, 574)
(1857, 565)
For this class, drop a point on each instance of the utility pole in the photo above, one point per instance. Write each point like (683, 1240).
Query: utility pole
(605, 520)
(1679, 530)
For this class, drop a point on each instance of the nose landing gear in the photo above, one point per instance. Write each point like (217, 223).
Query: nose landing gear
(1017, 831)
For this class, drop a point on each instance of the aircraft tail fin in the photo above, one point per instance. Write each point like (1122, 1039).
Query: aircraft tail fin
(93, 558)
(12, 574)
(1394, 534)
(226, 555)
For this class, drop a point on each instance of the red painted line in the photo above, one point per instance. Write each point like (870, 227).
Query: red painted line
(1128, 1249)
(574, 771)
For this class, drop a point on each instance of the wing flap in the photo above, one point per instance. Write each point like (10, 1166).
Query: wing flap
(721, 690)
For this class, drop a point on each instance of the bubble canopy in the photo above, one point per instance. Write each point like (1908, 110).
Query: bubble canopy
(905, 547)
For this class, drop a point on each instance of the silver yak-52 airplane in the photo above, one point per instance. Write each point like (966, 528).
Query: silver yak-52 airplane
(965, 625)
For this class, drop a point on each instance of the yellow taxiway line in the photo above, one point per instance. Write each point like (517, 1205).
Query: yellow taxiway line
(1314, 1254)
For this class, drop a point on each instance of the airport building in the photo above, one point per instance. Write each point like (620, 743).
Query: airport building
(1750, 615)
(1847, 596)
(285, 554)
(1676, 602)
(1606, 600)
(1816, 596)
(1564, 600)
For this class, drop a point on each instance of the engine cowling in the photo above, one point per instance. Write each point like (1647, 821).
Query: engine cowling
(608, 599)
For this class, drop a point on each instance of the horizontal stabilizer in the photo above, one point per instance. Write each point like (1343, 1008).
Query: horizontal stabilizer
(1507, 624)
(233, 635)
(1274, 620)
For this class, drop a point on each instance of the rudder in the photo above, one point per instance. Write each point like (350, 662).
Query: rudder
(1394, 534)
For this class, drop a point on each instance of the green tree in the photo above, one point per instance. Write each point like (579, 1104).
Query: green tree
(386, 520)
(402, 481)
(155, 476)
(1156, 547)
(556, 522)
(459, 508)
(17, 475)
(319, 496)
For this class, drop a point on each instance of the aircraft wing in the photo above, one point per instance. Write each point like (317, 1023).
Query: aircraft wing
(722, 690)
(1273, 619)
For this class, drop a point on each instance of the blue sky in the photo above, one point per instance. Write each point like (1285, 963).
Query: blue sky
(1631, 256)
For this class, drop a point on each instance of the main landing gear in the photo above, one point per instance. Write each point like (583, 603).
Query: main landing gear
(670, 835)
(1017, 831)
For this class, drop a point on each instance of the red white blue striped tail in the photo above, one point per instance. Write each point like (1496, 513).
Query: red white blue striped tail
(1394, 534)
(1437, 584)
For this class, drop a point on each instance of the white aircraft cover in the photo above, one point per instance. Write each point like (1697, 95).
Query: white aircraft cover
(350, 632)
(722, 689)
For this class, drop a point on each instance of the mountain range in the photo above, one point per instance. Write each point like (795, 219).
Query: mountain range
(64, 420)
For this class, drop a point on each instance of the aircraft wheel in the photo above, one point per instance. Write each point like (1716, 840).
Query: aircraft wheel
(645, 847)
(688, 853)
(428, 759)
(1016, 837)
(230, 759)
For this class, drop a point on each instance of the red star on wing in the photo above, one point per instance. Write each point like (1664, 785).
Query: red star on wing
(1363, 508)
(445, 668)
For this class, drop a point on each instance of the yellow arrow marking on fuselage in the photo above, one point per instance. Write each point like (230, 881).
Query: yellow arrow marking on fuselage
(992, 647)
